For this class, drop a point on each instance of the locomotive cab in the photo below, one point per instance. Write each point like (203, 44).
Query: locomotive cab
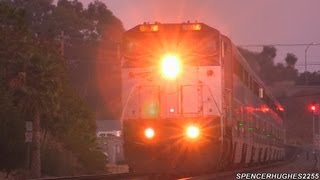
(171, 81)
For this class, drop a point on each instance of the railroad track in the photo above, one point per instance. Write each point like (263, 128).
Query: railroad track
(132, 176)
(120, 176)
(222, 174)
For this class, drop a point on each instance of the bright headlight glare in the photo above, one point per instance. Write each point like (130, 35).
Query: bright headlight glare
(149, 133)
(170, 66)
(192, 132)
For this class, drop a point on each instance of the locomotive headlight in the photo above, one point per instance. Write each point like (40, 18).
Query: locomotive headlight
(192, 132)
(170, 66)
(149, 133)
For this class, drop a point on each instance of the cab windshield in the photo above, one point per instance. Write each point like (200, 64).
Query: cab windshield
(145, 49)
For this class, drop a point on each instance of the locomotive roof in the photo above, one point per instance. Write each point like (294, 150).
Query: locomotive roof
(172, 27)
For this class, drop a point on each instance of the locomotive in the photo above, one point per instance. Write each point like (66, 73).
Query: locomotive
(192, 103)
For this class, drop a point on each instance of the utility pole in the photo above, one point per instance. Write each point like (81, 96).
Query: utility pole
(305, 61)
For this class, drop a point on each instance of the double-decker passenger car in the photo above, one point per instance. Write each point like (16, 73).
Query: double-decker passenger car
(191, 102)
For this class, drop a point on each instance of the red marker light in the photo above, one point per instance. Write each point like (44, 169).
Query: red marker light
(209, 72)
(281, 108)
(314, 107)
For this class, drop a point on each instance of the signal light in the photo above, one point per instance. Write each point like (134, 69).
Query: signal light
(314, 107)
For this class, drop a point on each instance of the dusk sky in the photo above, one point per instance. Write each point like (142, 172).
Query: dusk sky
(245, 21)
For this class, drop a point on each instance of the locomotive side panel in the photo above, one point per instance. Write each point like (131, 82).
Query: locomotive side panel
(257, 122)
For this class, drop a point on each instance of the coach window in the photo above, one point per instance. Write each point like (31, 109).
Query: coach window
(258, 129)
(255, 87)
(265, 98)
(224, 50)
(281, 114)
(237, 127)
(246, 78)
(268, 101)
(241, 75)
(244, 121)
(236, 116)
(235, 63)
(261, 92)
(251, 128)
(236, 67)
(254, 127)
(274, 133)
(274, 107)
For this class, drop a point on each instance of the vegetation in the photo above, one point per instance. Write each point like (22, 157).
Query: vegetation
(55, 60)
(263, 63)
(40, 46)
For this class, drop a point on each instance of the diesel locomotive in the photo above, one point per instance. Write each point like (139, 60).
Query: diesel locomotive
(192, 103)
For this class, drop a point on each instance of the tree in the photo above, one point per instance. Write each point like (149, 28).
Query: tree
(33, 74)
(251, 57)
(40, 94)
(263, 63)
(12, 145)
(266, 62)
(36, 78)
(16, 58)
(291, 60)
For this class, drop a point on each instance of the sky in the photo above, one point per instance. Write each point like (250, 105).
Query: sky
(245, 22)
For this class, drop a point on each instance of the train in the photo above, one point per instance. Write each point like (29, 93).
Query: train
(192, 103)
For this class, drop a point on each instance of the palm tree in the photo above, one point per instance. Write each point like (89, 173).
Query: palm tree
(33, 73)
(40, 91)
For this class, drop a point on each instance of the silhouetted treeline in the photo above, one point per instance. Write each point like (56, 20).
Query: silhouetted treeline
(264, 65)
(49, 58)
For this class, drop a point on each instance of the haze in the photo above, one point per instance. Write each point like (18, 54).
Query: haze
(245, 22)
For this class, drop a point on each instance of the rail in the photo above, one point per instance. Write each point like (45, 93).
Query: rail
(222, 174)
(95, 177)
